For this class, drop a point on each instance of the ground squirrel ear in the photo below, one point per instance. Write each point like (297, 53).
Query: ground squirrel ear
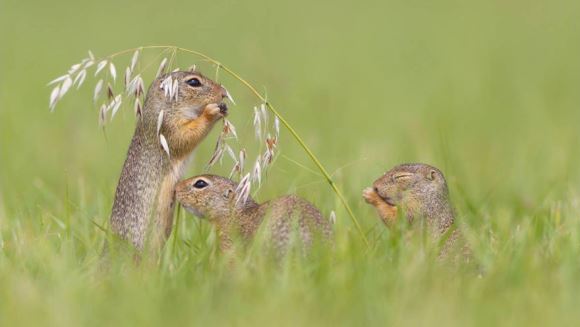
(431, 175)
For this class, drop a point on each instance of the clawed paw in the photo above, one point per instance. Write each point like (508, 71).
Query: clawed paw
(369, 195)
(215, 111)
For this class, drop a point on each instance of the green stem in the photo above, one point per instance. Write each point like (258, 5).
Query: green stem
(277, 114)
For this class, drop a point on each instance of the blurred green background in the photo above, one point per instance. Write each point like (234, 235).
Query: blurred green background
(488, 91)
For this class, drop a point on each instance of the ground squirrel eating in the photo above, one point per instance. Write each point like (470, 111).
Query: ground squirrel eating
(418, 189)
(144, 203)
(214, 197)
(420, 192)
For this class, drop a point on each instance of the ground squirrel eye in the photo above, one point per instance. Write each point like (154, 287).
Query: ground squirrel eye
(195, 82)
(200, 183)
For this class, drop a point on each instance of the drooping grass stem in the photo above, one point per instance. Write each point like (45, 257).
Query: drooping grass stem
(284, 122)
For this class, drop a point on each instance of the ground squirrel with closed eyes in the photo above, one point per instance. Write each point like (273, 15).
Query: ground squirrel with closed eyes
(144, 200)
(417, 192)
(215, 198)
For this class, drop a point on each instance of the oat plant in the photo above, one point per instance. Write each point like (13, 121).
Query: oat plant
(109, 96)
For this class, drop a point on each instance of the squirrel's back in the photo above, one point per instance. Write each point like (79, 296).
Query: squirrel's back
(291, 217)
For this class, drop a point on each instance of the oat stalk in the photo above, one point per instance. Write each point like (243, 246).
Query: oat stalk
(280, 119)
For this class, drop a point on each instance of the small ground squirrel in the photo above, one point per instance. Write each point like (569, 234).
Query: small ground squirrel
(214, 198)
(144, 195)
(420, 192)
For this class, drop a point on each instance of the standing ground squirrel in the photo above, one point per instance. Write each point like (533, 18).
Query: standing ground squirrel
(420, 191)
(214, 198)
(145, 191)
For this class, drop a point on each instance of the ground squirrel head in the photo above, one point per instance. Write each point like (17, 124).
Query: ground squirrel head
(194, 92)
(418, 189)
(176, 99)
(210, 196)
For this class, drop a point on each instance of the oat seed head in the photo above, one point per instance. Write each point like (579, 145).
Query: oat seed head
(134, 86)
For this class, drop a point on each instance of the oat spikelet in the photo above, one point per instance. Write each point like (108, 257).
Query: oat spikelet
(230, 152)
(137, 107)
(257, 173)
(175, 89)
(229, 96)
(87, 62)
(277, 126)
(167, 87)
(127, 77)
(73, 69)
(264, 113)
(235, 169)
(110, 93)
(159, 121)
(115, 105)
(65, 87)
(80, 78)
(257, 123)
(243, 189)
(163, 142)
(217, 153)
(100, 66)
(229, 128)
(134, 59)
(54, 97)
(113, 71)
(332, 217)
(133, 85)
(103, 114)
(58, 79)
(242, 159)
(98, 89)
(161, 68)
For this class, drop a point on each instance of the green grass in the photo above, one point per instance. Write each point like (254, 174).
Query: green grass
(486, 91)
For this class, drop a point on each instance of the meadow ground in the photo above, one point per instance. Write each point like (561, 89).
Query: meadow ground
(488, 91)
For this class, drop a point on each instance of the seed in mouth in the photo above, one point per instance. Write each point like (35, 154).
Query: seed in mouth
(223, 108)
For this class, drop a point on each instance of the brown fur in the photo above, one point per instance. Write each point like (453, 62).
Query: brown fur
(285, 215)
(149, 175)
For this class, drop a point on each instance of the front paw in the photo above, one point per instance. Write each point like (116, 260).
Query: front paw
(369, 195)
(213, 112)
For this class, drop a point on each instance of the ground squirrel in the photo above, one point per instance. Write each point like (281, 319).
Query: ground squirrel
(144, 195)
(420, 192)
(214, 198)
